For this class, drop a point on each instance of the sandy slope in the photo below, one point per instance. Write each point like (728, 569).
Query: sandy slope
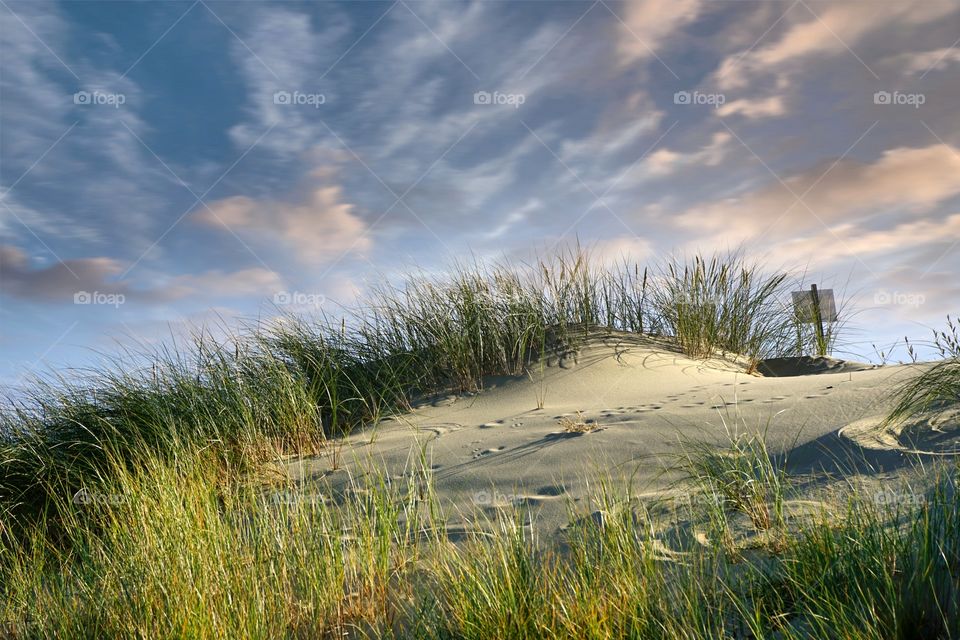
(495, 448)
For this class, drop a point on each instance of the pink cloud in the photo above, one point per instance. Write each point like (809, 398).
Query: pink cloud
(318, 230)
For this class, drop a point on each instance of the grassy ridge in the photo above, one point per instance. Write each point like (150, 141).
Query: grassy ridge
(292, 384)
(237, 405)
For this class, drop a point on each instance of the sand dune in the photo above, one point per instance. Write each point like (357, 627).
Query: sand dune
(639, 400)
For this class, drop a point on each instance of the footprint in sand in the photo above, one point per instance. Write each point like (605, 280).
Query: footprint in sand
(477, 453)
(721, 405)
(551, 491)
(440, 429)
(541, 495)
(774, 399)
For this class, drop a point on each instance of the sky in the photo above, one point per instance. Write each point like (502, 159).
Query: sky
(167, 164)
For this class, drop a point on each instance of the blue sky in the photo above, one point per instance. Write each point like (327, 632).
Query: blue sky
(166, 164)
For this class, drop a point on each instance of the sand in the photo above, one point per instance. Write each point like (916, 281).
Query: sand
(641, 401)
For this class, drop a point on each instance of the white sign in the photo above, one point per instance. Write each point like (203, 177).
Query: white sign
(803, 305)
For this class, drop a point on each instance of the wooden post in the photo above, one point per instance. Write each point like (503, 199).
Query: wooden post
(818, 320)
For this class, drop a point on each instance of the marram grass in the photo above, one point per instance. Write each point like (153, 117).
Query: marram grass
(174, 551)
(938, 386)
(294, 383)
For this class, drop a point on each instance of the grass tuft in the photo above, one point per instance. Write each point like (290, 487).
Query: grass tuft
(936, 387)
(578, 424)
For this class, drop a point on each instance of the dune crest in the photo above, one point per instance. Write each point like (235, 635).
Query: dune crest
(639, 400)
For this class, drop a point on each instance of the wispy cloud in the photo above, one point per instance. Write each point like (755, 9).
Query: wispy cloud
(904, 179)
(318, 230)
(816, 32)
(61, 282)
(649, 24)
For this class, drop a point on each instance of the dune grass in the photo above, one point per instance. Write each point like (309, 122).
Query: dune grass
(722, 303)
(171, 551)
(741, 475)
(292, 384)
(237, 404)
(889, 571)
(936, 387)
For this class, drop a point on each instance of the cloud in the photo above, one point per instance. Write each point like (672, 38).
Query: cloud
(647, 24)
(514, 218)
(921, 62)
(57, 282)
(281, 52)
(664, 162)
(615, 251)
(754, 108)
(67, 157)
(61, 281)
(849, 240)
(910, 294)
(827, 32)
(318, 230)
(412, 122)
(902, 179)
(255, 282)
(621, 126)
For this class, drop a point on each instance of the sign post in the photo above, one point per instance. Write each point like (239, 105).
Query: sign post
(818, 319)
(816, 307)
